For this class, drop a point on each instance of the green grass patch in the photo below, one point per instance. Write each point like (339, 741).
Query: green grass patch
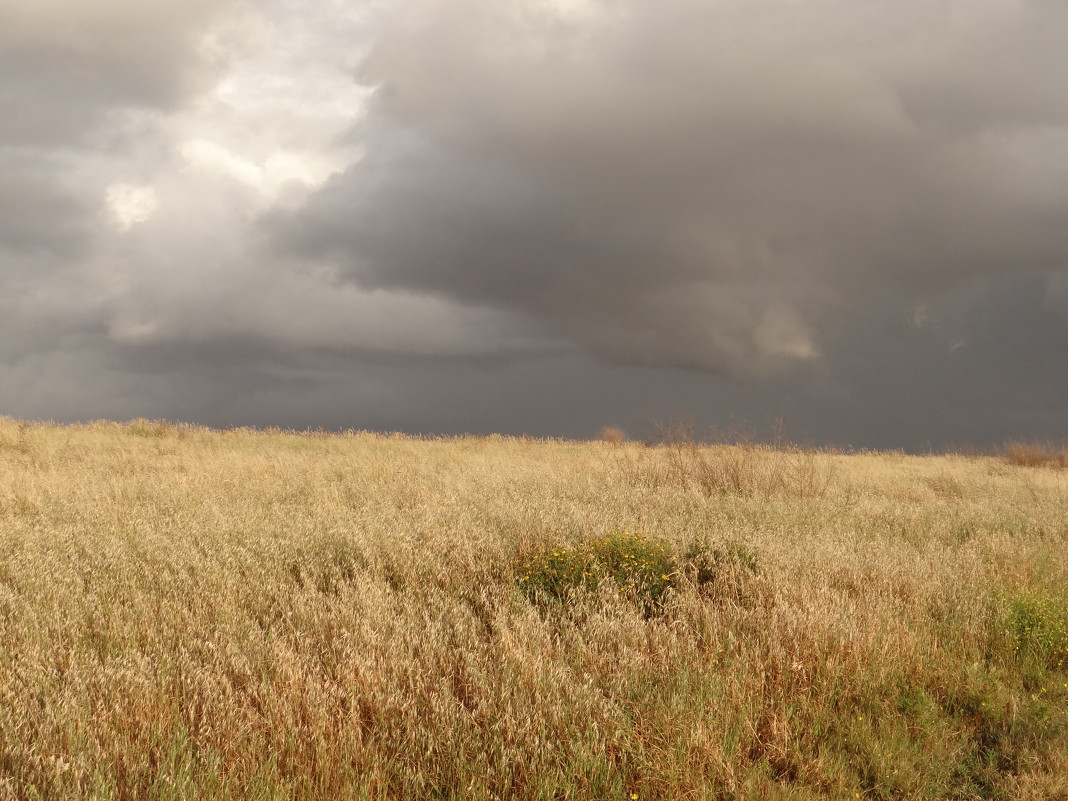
(637, 567)
(1038, 625)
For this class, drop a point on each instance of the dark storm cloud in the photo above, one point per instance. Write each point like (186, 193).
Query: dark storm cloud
(72, 75)
(566, 214)
(723, 186)
(65, 66)
(39, 213)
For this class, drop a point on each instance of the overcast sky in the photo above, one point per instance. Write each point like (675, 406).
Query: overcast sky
(539, 216)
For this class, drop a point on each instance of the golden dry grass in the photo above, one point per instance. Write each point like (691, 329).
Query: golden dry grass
(195, 614)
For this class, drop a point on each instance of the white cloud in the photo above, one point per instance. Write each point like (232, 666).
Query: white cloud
(130, 204)
(276, 121)
(214, 157)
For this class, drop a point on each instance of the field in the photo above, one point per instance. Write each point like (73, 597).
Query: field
(187, 613)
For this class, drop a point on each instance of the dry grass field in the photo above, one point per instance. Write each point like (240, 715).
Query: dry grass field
(195, 614)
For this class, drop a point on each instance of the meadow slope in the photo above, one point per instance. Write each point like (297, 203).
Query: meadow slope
(199, 614)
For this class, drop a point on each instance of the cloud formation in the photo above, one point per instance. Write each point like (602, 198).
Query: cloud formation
(66, 65)
(437, 214)
(719, 186)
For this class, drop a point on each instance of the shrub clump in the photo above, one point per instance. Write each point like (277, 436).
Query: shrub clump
(638, 568)
(1038, 625)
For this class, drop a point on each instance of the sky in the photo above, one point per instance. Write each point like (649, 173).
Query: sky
(539, 216)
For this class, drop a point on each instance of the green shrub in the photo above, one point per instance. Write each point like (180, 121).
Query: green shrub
(639, 568)
(1038, 625)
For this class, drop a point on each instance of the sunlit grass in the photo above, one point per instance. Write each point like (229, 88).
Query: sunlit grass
(188, 613)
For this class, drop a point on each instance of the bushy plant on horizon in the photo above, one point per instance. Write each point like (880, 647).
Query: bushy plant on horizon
(613, 435)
